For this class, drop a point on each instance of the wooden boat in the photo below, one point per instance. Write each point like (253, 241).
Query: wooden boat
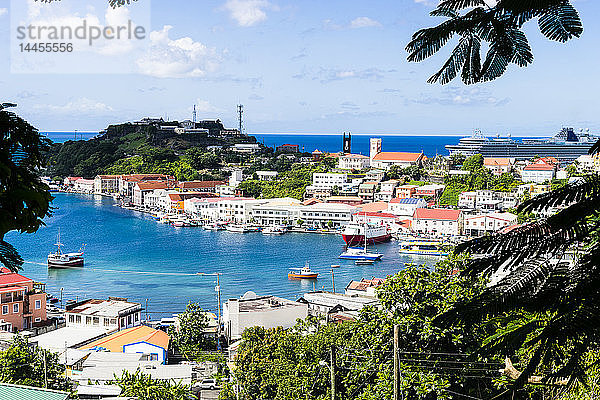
(302, 273)
(64, 260)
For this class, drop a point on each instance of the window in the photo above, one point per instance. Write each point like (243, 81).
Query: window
(38, 319)
(137, 317)
(78, 319)
(15, 308)
(106, 322)
(96, 321)
(113, 321)
(129, 320)
(4, 309)
(88, 320)
(71, 318)
(38, 304)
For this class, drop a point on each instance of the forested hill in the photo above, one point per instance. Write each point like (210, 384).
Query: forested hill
(140, 148)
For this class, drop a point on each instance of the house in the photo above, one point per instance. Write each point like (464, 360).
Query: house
(266, 311)
(18, 392)
(246, 148)
(350, 200)
(266, 175)
(288, 148)
(106, 184)
(22, 302)
(375, 175)
(498, 165)
(406, 207)
(142, 189)
(200, 186)
(327, 304)
(353, 161)
(69, 181)
(539, 172)
(406, 191)
(364, 287)
(387, 190)
(366, 191)
(114, 313)
(317, 155)
(433, 191)
(480, 224)
(438, 221)
(82, 185)
(139, 339)
(467, 200)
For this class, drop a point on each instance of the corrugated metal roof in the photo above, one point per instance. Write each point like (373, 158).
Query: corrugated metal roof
(17, 392)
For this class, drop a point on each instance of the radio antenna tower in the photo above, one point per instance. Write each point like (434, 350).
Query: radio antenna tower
(240, 120)
(194, 114)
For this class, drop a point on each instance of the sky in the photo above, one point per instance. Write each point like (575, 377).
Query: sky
(307, 66)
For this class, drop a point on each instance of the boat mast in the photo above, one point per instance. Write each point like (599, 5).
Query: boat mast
(58, 243)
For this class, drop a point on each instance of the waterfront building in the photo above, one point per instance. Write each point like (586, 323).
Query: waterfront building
(277, 211)
(387, 190)
(498, 165)
(236, 209)
(288, 148)
(69, 181)
(140, 339)
(266, 311)
(327, 215)
(406, 207)
(127, 182)
(353, 161)
(364, 287)
(82, 185)
(106, 184)
(540, 171)
(266, 175)
(142, 189)
(438, 221)
(377, 218)
(22, 302)
(332, 306)
(480, 224)
(114, 313)
(206, 209)
(200, 186)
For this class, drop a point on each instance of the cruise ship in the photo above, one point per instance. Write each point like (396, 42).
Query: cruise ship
(565, 146)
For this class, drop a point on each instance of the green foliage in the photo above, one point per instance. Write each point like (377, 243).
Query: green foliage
(143, 387)
(24, 198)
(457, 159)
(284, 364)
(473, 163)
(451, 192)
(410, 173)
(495, 29)
(190, 339)
(23, 364)
(199, 159)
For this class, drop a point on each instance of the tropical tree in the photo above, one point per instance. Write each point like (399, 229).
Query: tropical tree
(189, 337)
(496, 26)
(24, 198)
(143, 387)
(545, 285)
(24, 364)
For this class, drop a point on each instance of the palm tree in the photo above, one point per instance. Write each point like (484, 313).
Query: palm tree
(499, 26)
(24, 198)
(544, 290)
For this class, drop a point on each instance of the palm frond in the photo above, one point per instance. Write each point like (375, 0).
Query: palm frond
(561, 22)
(586, 189)
(472, 65)
(454, 63)
(9, 257)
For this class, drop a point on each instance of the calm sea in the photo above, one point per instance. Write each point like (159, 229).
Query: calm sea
(430, 145)
(119, 240)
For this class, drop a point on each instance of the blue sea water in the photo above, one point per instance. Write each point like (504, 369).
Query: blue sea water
(120, 240)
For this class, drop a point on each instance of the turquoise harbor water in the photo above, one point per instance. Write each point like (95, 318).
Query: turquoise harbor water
(123, 240)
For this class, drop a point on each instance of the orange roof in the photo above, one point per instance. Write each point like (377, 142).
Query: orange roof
(437, 213)
(374, 207)
(494, 161)
(142, 333)
(108, 176)
(398, 156)
(311, 201)
(152, 185)
(539, 167)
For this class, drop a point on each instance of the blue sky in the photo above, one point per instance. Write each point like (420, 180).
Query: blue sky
(310, 67)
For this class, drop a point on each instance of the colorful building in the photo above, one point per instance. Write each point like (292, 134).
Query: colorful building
(22, 302)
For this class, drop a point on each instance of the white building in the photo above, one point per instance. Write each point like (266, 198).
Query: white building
(106, 184)
(114, 313)
(387, 190)
(480, 224)
(329, 179)
(276, 211)
(498, 165)
(538, 172)
(364, 287)
(384, 160)
(406, 207)
(325, 304)
(266, 175)
(327, 215)
(84, 186)
(438, 221)
(246, 148)
(353, 161)
(266, 311)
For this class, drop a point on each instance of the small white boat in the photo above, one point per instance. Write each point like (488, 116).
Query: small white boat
(64, 260)
(213, 227)
(364, 262)
(237, 228)
(273, 230)
(357, 253)
(302, 273)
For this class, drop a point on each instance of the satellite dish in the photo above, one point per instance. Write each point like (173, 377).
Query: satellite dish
(249, 295)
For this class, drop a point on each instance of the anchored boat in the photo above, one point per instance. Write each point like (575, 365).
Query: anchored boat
(302, 273)
(64, 260)
(432, 248)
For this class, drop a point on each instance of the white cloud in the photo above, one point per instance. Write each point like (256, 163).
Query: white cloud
(179, 58)
(82, 106)
(3, 11)
(456, 96)
(204, 106)
(364, 22)
(247, 12)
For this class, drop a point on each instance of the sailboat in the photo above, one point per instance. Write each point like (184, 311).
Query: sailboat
(357, 253)
(64, 260)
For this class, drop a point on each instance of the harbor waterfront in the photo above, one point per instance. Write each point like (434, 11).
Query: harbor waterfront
(120, 240)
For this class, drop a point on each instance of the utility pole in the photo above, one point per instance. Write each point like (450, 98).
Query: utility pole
(240, 113)
(396, 364)
(146, 310)
(194, 116)
(332, 371)
(218, 290)
(332, 280)
(46, 370)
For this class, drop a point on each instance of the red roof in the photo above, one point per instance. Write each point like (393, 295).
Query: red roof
(376, 214)
(437, 213)
(12, 289)
(496, 161)
(539, 167)
(10, 278)
(398, 156)
(152, 185)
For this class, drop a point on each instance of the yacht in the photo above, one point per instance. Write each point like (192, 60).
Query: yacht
(358, 253)
(64, 260)
(273, 230)
(237, 228)
(213, 227)
(422, 248)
